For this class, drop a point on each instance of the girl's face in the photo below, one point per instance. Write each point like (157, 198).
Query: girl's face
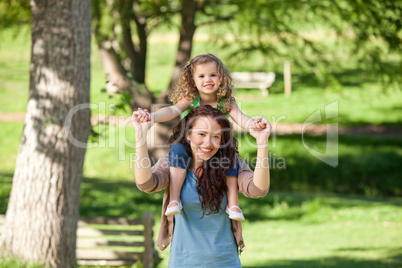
(205, 138)
(206, 78)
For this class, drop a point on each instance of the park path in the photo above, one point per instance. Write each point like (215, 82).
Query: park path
(281, 128)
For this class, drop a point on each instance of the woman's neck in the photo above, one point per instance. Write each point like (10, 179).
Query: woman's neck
(195, 164)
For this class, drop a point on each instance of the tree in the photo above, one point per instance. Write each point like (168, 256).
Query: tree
(43, 209)
(121, 29)
(123, 51)
(212, 11)
(275, 29)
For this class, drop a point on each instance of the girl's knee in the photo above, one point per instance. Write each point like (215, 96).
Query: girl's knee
(178, 156)
(178, 149)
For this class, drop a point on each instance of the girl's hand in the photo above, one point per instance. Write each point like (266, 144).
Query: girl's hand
(141, 128)
(258, 124)
(262, 131)
(142, 115)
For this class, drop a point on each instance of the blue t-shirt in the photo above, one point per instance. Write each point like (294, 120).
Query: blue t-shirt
(201, 242)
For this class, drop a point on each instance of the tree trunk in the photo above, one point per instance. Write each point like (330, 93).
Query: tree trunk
(43, 209)
(141, 97)
(118, 80)
(136, 54)
(187, 30)
(141, 51)
(161, 131)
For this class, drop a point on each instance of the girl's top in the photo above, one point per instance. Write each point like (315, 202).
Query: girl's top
(201, 242)
(196, 103)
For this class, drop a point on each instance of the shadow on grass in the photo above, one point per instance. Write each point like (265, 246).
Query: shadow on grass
(6, 179)
(368, 170)
(108, 198)
(290, 206)
(371, 168)
(367, 166)
(393, 259)
(100, 197)
(392, 125)
(348, 77)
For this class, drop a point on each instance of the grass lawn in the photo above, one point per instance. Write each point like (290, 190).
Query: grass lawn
(283, 229)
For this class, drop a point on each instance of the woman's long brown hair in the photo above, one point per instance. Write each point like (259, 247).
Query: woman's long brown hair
(211, 175)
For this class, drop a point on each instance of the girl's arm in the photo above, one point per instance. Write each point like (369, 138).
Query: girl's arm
(246, 121)
(168, 113)
(241, 119)
(261, 172)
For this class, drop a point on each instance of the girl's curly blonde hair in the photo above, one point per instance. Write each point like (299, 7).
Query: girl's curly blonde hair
(185, 87)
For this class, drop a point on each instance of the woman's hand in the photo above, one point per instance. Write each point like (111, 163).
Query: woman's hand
(262, 131)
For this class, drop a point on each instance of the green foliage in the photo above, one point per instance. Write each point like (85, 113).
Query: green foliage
(319, 36)
(308, 33)
(14, 13)
(124, 26)
(372, 18)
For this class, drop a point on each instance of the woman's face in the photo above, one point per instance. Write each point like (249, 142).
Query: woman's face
(205, 138)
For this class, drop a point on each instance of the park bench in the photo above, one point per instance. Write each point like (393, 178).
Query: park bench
(259, 80)
(114, 241)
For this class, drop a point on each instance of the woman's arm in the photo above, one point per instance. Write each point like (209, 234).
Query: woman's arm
(261, 172)
(148, 179)
(160, 177)
(256, 184)
(142, 167)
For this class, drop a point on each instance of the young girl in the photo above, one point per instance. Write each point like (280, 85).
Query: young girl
(203, 81)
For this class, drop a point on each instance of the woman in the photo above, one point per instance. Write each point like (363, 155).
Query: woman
(202, 236)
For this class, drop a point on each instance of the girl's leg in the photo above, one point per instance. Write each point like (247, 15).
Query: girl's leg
(233, 210)
(177, 177)
(178, 162)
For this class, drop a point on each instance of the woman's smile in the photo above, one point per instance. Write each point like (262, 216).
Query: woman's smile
(205, 150)
(205, 138)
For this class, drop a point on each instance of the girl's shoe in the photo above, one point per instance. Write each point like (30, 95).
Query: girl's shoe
(173, 210)
(234, 215)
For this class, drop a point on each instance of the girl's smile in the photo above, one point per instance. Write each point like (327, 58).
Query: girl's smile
(206, 78)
